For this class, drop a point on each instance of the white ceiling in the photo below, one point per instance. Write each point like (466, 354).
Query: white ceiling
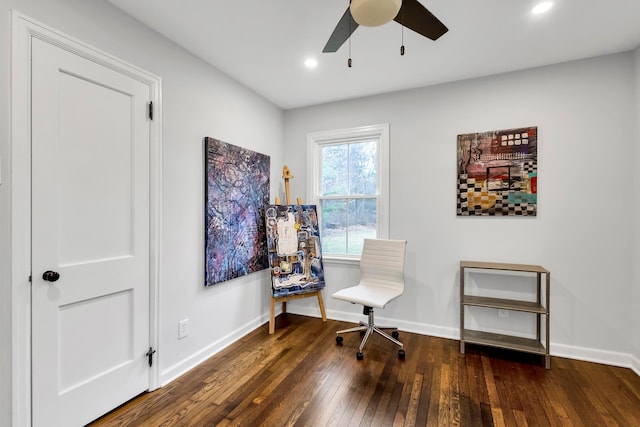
(263, 43)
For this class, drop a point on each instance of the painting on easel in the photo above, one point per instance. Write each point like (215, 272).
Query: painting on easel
(237, 189)
(295, 252)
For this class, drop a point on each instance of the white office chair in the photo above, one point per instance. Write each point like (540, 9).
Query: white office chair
(381, 281)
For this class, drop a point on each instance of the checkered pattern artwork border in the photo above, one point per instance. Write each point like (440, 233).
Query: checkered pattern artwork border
(488, 203)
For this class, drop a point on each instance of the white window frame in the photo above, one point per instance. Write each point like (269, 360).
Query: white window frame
(317, 140)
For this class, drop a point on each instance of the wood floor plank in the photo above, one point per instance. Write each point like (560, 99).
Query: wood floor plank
(574, 380)
(300, 377)
(387, 404)
(362, 402)
(608, 399)
(455, 413)
(472, 413)
(329, 393)
(379, 397)
(410, 418)
(536, 408)
(444, 403)
(494, 400)
(505, 382)
(436, 360)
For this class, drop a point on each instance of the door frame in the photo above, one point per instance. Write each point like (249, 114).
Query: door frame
(24, 29)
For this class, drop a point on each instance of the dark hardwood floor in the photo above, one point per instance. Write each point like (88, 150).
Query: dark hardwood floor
(299, 376)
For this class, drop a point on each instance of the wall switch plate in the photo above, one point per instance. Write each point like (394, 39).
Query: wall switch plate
(503, 313)
(183, 328)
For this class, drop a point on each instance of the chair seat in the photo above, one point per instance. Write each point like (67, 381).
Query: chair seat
(368, 295)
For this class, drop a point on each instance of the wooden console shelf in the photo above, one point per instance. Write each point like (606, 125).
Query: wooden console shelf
(539, 308)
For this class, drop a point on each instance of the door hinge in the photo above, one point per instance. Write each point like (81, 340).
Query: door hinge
(150, 356)
(151, 110)
(30, 280)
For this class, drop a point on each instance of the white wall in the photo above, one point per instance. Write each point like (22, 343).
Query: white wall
(636, 253)
(5, 272)
(583, 111)
(584, 114)
(198, 101)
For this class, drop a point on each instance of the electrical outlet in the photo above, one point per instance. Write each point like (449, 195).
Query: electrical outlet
(503, 313)
(183, 328)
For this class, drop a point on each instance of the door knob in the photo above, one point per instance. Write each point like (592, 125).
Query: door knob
(50, 276)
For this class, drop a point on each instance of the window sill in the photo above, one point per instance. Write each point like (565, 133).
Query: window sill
(341, 259)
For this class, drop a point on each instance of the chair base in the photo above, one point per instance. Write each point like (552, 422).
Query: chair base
(369, 328)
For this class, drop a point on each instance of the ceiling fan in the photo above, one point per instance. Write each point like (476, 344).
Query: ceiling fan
(371, 13)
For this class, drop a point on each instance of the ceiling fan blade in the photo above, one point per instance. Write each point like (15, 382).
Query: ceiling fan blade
(341, 33)
(416, 17)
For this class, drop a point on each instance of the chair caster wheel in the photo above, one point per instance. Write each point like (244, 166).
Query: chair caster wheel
(359, 355)
(401, 354)
(339, 340)
(395, 334)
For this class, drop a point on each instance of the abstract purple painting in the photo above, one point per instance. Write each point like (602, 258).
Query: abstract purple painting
(237, 191)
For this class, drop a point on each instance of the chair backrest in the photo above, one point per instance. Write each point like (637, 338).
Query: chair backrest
(382, 262)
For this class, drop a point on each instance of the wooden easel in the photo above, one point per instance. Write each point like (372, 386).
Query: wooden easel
(286, 174)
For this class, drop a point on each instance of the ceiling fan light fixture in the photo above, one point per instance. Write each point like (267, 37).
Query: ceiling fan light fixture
(373, 13)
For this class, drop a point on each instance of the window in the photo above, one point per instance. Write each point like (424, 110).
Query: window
(349, 183)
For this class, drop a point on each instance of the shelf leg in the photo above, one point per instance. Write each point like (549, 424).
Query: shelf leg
(539, 300)
(461, 309)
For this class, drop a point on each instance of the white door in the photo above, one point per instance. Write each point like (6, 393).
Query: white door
(90, 226)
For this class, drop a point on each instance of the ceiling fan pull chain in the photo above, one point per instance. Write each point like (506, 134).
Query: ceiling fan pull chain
(350, 31)
(402, 35)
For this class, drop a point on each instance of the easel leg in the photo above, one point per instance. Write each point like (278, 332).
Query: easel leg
(272, 318)
(321, 304)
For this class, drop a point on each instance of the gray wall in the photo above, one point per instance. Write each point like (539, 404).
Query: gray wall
(587, 129)
(636, 253)
(198, 101)
(584, 113)
(5, 272)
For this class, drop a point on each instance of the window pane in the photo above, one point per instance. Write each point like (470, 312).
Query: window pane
(335, 177)
(333, 231)
(362, 168)
(362, 224)
(350, 186)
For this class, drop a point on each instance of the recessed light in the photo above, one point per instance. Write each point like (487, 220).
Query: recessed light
(311, 63)
(542, 7)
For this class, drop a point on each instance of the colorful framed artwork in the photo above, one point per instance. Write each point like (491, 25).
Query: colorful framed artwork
(295, 251)
(237, 189)
(498, 173)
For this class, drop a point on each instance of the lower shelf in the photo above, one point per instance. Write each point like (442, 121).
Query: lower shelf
(528, 345)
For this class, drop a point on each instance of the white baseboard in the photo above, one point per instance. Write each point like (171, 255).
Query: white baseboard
(182, 367)
(592, 355)
(635, 365)
(560, 350)
(418, 328)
